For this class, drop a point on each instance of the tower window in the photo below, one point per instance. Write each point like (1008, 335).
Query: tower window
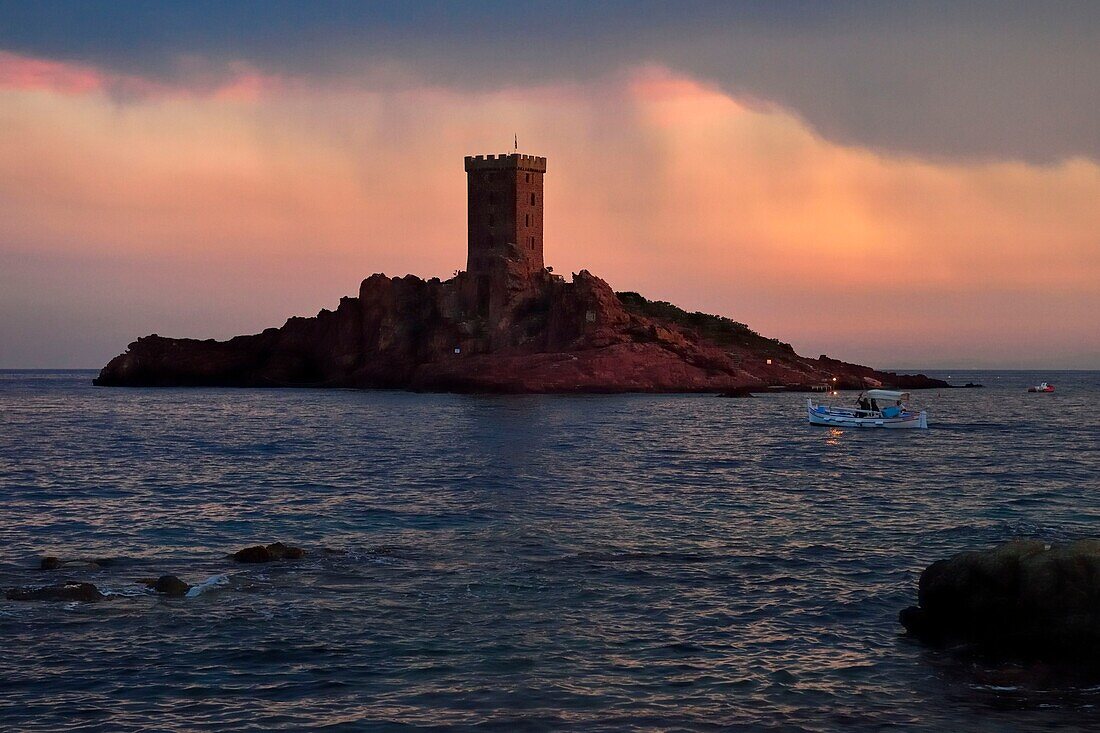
(532, 199)
(527, 177)
(526, 220)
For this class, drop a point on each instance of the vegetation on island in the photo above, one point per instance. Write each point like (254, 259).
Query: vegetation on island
(720, 330)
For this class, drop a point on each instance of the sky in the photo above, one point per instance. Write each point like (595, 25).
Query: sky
(898, 184)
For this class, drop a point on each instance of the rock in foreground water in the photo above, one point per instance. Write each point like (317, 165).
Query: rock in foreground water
(1019, 599)
(270, 553)
(169, 585)
(67, 592)
(51, 562)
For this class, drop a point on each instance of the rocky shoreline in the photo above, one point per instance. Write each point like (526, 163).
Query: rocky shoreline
(519, 333)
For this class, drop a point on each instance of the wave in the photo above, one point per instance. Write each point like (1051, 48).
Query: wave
(207, 585)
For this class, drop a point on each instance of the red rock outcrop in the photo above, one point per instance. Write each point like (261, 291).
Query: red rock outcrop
(503, 332)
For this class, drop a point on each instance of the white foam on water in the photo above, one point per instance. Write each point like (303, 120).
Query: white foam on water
(209, 584)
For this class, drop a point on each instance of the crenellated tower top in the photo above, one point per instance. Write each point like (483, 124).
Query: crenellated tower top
(506, 161)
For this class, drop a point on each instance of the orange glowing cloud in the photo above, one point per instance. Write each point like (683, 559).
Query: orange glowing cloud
(223, 212)
(23, 73)
(238, 82)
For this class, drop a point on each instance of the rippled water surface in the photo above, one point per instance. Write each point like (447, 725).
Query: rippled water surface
(519, 563)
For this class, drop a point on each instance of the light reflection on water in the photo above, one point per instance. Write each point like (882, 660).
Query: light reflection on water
(544, 562)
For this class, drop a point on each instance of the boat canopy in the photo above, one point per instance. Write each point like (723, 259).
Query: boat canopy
(887, 394)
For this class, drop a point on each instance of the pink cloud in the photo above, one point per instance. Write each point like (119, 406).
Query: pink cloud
(25, 73)
(237, 82)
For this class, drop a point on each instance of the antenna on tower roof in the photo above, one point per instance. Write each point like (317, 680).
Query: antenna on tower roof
(516, 140)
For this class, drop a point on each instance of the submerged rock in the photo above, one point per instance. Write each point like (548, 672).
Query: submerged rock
(51, 562)
(1021, 599)
(67, 592)
(286, 552)
(167, 584)
(256, 554)
(270, 553)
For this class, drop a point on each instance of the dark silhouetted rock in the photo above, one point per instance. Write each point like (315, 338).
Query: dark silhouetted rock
(286, 552)
(274, 551)
(66, 592)
(256, 554)
(1019, 599)
(737, 392)
(51, 562)
(541, 334)
(169, 585)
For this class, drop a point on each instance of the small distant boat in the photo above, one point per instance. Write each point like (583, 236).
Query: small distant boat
(1041, 387)
(896, 414)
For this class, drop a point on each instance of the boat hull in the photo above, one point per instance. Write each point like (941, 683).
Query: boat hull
(841, 418)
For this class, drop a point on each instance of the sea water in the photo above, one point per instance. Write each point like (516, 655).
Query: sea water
(520, 563)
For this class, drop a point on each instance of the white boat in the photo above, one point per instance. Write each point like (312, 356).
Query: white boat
(896, 414)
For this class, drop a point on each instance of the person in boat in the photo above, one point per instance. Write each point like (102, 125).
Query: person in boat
(892, 411)
(874, 404)
(863, 403)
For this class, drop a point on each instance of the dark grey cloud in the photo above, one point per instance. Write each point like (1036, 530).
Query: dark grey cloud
(981, 79)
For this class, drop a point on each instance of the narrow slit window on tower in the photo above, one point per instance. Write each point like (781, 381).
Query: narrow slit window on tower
(526, 220)
(527, 177)
(532, 199)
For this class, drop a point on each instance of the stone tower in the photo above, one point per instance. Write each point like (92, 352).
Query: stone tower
(504, 213)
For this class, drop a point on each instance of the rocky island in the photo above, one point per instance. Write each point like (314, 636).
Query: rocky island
(506, 324)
